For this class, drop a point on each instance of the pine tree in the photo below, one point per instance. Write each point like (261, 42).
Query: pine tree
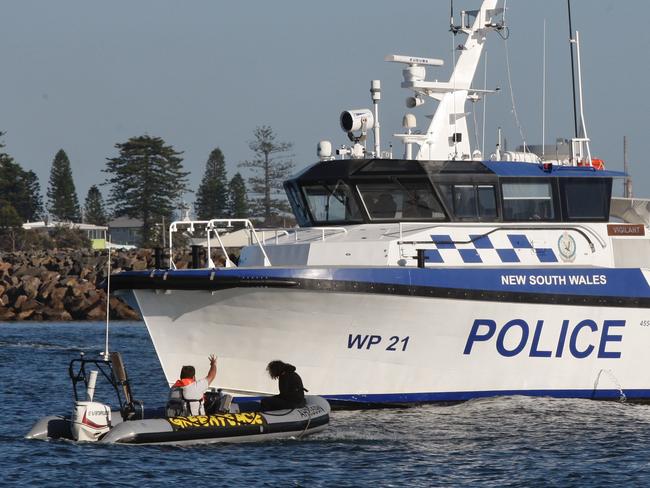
(19, 188)
(271, 166)
(212, 197)
(147, 180)
(94, 212)
(237, 200)
(61, 194)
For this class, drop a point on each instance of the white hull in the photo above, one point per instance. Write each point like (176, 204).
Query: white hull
(431, 358)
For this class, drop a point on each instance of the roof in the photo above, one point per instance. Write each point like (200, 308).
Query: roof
(354, 169)
(52, 225)
(502, 168)
(125, 221)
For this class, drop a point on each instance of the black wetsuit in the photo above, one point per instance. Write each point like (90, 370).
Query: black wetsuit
(292, 393)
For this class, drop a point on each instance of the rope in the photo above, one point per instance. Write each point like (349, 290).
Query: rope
(512, 93)
(475, 123)
(308, 423)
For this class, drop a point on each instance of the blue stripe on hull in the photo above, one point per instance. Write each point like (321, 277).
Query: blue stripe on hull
(469, 395)
(610, 282)
(460, 396)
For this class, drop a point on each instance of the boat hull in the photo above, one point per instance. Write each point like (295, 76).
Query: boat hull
(202, 429)
(369, 347)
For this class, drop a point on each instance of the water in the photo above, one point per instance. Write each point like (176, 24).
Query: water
(512, 441)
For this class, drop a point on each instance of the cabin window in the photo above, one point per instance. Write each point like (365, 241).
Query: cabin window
(400, 200)
(487, 202)
(297, 206)
(332, 203)
(471, 202)
(528, 201)
(587, 199)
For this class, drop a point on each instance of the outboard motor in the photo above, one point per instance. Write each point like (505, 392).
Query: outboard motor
(90, 420)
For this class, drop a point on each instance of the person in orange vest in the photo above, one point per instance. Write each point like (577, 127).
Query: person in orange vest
(190, 390)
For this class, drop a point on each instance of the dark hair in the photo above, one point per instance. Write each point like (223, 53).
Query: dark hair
(187, 372)
(277, 368)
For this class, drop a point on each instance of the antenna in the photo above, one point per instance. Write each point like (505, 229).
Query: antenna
(485, 65)
(544, 92)
(573, 74)
(627, 190)
(583, 124)
(108, 298)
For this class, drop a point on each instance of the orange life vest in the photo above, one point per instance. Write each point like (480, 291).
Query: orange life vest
(183, 382)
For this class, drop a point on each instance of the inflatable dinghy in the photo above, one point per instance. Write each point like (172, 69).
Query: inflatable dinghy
(132, 424)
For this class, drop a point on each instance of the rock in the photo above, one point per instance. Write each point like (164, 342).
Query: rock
(57, 296)
(5, 267)
(52, 314)
(46, 289)
(25, 314)
(68, 281)
(121, 310)
(26, 271)
(30, 305)
(6, 313)
(30, 285)
(96, 313)
(18, 303)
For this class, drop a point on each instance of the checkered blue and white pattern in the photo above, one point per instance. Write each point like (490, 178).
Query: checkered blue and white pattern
(497, 249)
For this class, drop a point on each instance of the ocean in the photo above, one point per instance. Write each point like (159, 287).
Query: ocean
(508, 441)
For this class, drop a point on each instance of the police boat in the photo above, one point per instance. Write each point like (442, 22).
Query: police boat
(92, 421)
(439, 274)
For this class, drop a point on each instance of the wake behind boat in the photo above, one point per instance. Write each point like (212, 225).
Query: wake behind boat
(441, 275)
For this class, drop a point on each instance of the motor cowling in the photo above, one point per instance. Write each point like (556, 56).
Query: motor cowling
(90, 421)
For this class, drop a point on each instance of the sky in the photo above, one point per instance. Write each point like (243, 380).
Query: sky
(83, 75)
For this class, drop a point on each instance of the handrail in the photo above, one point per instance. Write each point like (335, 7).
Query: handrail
(276, 232)
(173, 227)
(322, 229)
(211, 226)
(579, 228)
(247, 223)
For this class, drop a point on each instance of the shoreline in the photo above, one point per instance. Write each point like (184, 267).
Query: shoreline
(64, 285)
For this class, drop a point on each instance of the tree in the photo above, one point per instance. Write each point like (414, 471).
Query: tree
(10, 225)
(271, 166)
(61, 194)
(94, 211)
(212, 197)
(20, 188)
(237, 200)
(146, 179)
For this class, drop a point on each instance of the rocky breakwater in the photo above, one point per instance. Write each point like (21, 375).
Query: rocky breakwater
(63, 285)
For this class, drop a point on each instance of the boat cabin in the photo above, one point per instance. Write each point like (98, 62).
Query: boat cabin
(356, 191)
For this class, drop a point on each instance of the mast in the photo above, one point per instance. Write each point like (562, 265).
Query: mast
(447, 135)
(627, 190)
(573, 75)
(544, 93)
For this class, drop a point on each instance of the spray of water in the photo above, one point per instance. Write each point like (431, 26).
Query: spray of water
(608, 372)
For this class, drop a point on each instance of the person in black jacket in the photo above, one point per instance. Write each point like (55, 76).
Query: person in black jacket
(292, 393)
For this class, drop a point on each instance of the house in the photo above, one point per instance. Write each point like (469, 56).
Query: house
(96, 233)
(125, 231)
